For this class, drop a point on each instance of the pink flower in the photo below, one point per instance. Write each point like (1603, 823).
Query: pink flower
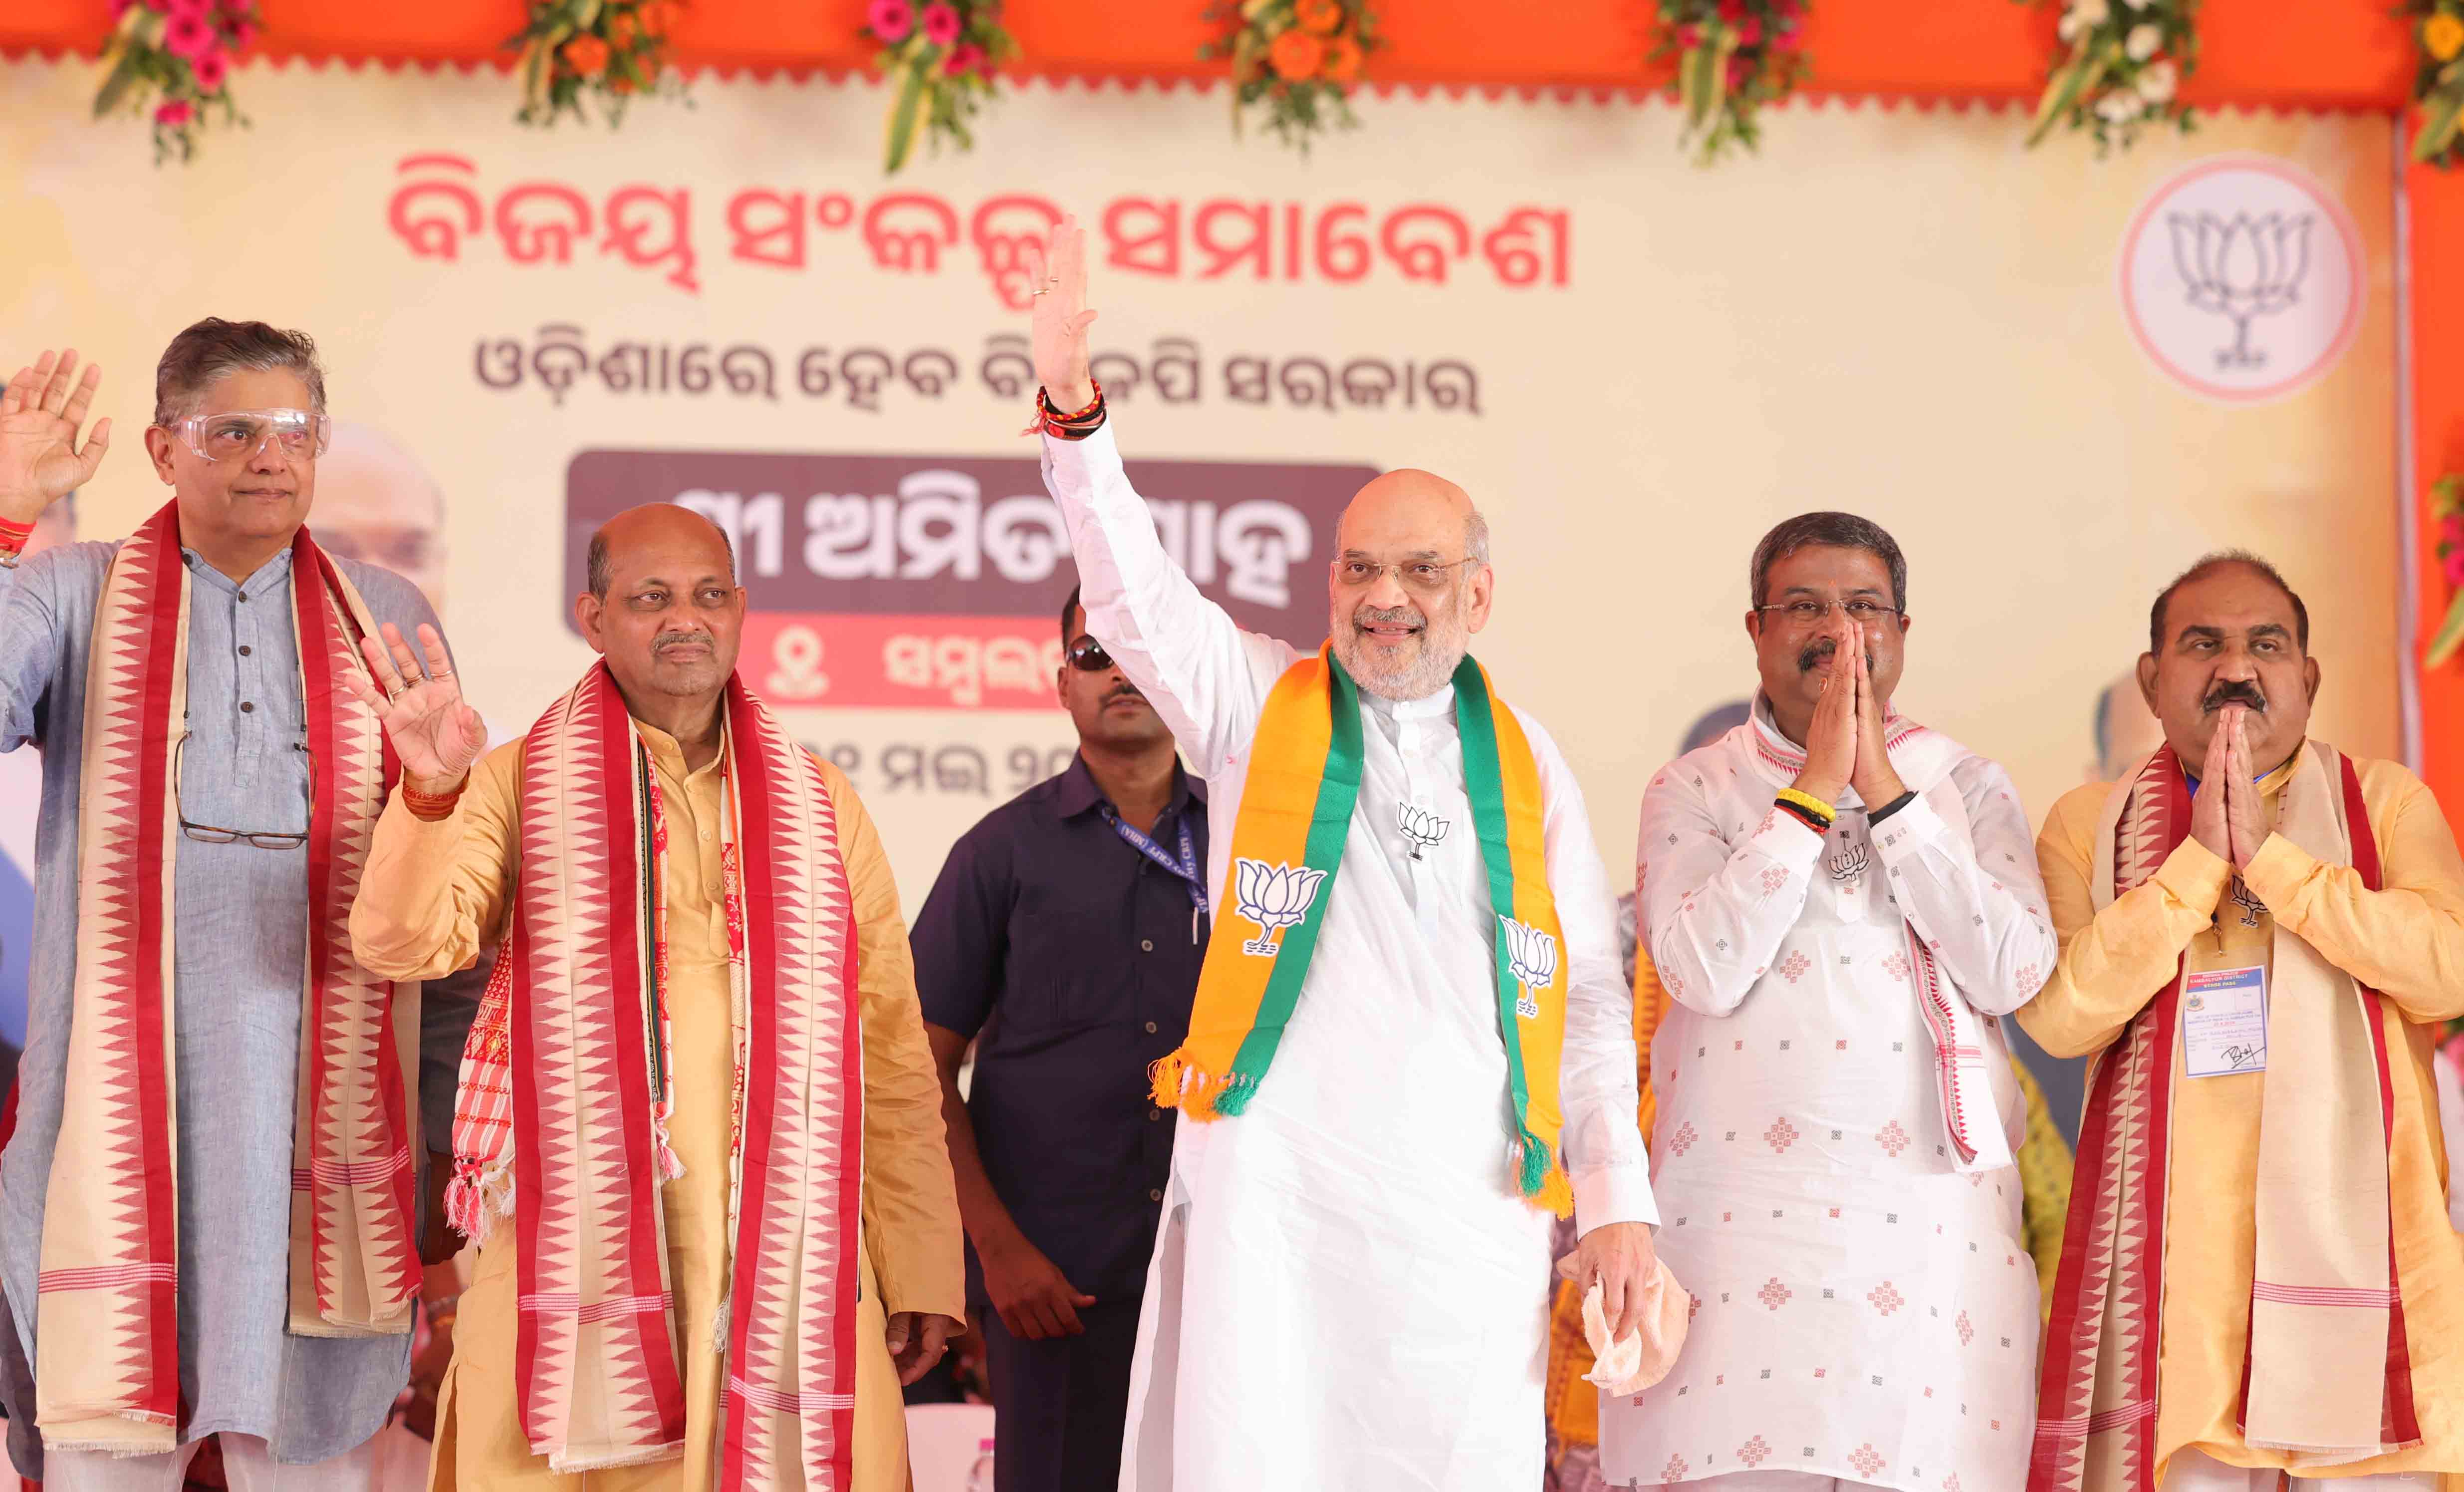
(201, 10)
(941, 24)
(1733, 12)
(211, 70)
(175, 112)
(965, 57)
(2451, 528)
(1750, 33)
(2453, 563)
(1689, 37)
(243, 35)
(187, 37)
(1739, 71)
(891, 21)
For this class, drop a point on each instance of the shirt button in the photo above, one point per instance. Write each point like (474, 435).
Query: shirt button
(1150, 1028)
(1154, 1114)
(245, 708)
(1155, 1195)
(1147, 944)
(705, 836)
(243, 649)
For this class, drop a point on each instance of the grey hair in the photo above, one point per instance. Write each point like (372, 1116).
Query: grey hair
(1476, 537)
(215, 347)
(1838, 530)
(595, 561)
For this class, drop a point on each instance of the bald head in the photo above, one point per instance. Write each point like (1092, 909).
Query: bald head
(651, 521)
(1413, 510)
(377, 504)
(664, 608)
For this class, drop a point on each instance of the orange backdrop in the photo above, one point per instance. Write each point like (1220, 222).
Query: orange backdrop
(2267, 53)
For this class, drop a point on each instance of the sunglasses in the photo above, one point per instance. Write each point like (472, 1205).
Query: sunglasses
(1087, 656)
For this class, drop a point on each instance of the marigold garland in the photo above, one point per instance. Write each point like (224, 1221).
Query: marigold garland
(940, 58)
(1732, 57)
(1299, 58)
(576, 52)
(172, 59)
(2124, 72)
(2438, 79)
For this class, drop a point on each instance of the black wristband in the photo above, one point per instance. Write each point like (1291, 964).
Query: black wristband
(1893, 806)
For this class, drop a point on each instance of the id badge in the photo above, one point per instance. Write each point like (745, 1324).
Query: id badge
(2224, 1022)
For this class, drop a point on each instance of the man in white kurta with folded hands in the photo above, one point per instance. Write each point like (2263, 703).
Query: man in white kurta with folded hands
(1412, 1041)
(1842, 903)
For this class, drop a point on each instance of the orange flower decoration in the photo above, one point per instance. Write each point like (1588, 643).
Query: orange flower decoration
(658, 17)
(1296, 55)
(621, 29)
(1322, 17)
(587, 56)
(620, 84)
(1342, 59)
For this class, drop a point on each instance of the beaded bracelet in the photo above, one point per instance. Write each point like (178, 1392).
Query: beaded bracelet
(1075, 426)
(1814, 810)
(433, 807)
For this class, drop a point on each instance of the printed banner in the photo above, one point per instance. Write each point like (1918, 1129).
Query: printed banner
(1636, 366)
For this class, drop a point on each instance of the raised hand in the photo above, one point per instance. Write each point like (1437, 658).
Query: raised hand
(2245, 811)
(2210, 824)
(1877, 783)
(436, 735)
(1831, 740)
(40, 460)
(1061, 318)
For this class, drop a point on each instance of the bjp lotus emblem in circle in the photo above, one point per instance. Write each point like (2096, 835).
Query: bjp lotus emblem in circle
(2241, 278)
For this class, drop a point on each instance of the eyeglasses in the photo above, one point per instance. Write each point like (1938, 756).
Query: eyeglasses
(210, 834)
(237, 434)
(1425, 576)
(1087, 656)
(1810, 613)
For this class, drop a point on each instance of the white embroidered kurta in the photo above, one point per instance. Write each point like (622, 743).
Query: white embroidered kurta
(1861, 1309)
(1347, 1291)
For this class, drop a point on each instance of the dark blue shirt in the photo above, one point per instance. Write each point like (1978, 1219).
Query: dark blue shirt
(1072, 958)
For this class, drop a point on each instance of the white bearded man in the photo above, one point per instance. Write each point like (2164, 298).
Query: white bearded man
(1840, 902)
(2260, 937)
(1414, 932)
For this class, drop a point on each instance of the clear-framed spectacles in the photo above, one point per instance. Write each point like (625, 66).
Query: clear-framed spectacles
(1425, 576)
(1808, 612)
(237, 434)
(212, 834)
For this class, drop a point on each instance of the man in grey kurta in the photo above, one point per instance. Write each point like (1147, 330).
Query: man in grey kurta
(239, 915)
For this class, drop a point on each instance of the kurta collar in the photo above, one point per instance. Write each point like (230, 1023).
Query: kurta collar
(265, 577)
(1427, 707)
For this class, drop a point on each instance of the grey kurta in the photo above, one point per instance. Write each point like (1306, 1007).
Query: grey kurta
(239, 919)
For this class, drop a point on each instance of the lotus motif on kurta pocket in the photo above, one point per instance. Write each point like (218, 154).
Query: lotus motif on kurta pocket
(1274, 897)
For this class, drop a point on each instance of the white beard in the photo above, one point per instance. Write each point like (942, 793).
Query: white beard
(1442, 642)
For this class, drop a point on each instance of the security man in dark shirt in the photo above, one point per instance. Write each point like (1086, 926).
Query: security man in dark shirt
(1064, 938)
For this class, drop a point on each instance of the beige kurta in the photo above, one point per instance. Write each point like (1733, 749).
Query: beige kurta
(2405, 940)
(435, 891)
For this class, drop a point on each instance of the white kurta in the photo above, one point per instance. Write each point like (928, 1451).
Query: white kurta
(1346, 1291)
(1861, 1309)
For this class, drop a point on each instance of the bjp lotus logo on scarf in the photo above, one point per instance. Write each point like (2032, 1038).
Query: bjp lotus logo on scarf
(1532, 959)
(1425, 829)
(1274, 897)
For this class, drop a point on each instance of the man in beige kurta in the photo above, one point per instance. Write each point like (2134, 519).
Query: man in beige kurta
(2230, 640)
(439, 888)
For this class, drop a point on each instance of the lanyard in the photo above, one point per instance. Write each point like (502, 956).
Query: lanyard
(1191, 873)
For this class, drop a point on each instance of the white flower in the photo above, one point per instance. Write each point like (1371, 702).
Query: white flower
(2157, 81)
(2091, 12)
(2140, 5)
(2144, 42)
(2118, 107)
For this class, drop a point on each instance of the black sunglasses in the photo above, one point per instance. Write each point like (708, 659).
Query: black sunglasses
(1087, 655)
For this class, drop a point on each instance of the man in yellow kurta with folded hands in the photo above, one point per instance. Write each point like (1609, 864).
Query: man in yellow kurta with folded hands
(2260, 935)
(698, 1135)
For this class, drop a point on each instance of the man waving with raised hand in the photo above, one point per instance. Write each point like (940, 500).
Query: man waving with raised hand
(1412, 1041)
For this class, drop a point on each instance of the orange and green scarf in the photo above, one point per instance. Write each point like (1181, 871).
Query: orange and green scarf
(1296, 807)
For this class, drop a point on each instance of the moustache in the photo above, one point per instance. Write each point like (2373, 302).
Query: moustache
(1126, 691)
(1409, 616)
(667, 640)
(1821, 650)
(2238, 691)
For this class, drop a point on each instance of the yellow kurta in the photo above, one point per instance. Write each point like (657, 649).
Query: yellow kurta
(2406, 941)
(434, 892)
